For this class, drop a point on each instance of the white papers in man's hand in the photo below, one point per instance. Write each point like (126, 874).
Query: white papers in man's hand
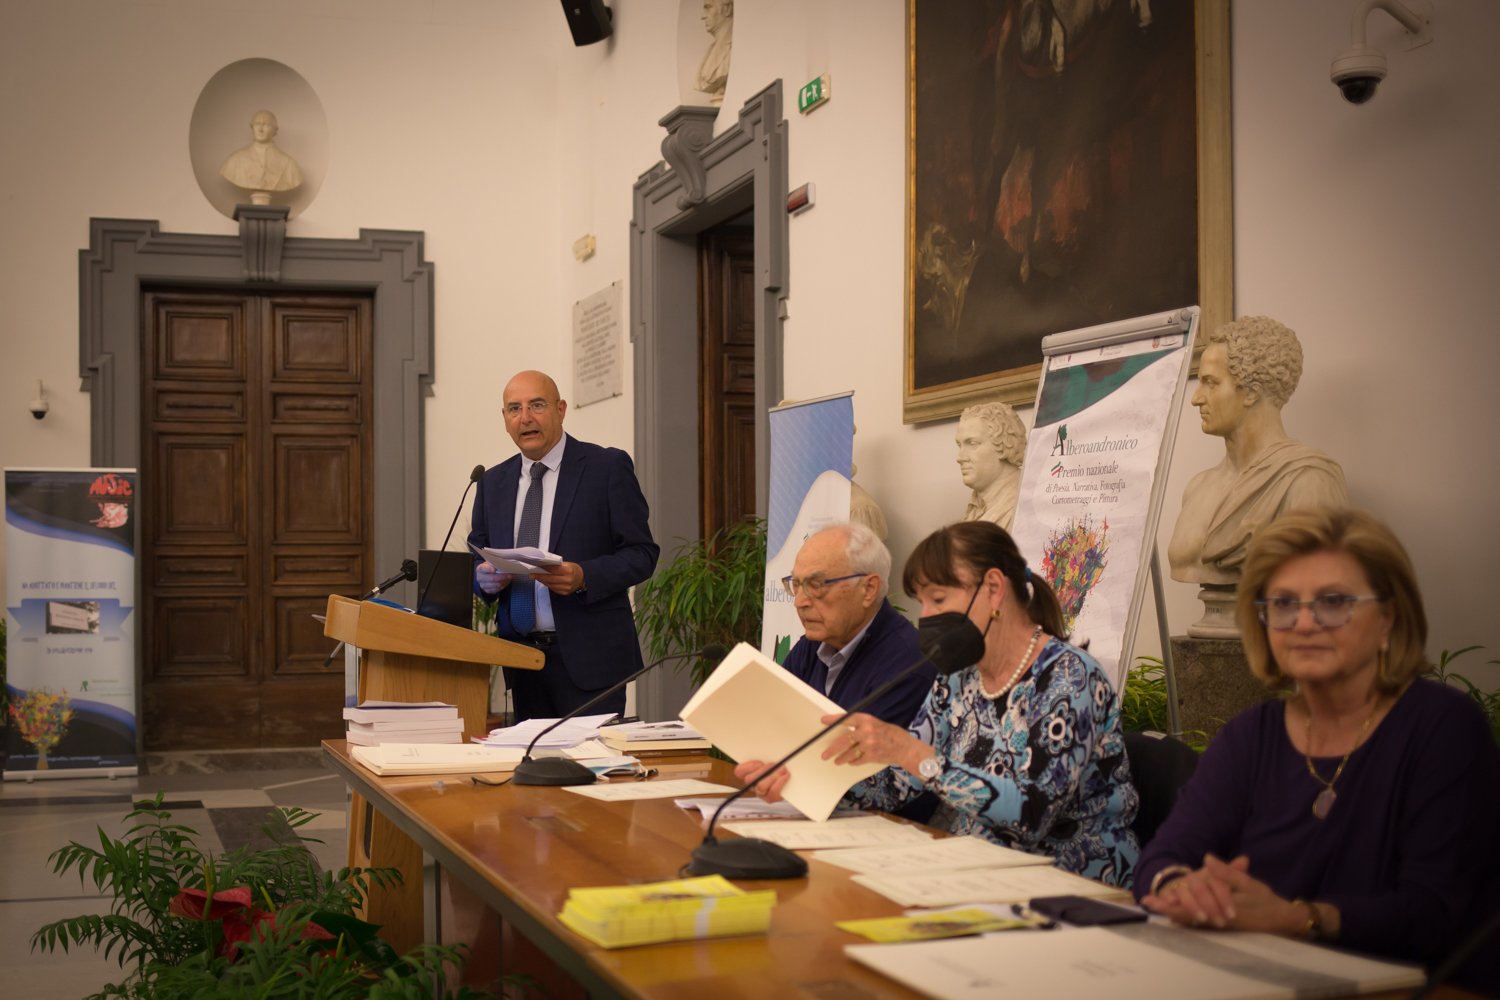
(628, 791)
(856, 831)
(518, 562)
(570, 733)
(753, 709)
(944, 855)
(982, 885)
(1132, 962)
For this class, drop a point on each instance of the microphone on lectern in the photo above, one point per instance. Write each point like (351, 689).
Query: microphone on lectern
(474, 477)
(562, 770)
(408, 572)
(950, 647)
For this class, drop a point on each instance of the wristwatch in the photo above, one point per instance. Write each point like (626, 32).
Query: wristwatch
(931, 767)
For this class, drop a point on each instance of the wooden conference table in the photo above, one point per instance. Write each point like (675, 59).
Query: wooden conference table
(520, 849)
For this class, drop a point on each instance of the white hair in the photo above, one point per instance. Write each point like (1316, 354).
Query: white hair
(864, 549)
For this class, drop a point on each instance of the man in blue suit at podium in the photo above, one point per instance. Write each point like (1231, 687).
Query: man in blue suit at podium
(584, 503)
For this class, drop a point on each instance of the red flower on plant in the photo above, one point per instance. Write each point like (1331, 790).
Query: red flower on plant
(189, 902)
(242, 922)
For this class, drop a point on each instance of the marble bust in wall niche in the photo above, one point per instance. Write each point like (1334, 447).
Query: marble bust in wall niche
(262, 167)
(1247, 373)
(991, 447)
(713, 72)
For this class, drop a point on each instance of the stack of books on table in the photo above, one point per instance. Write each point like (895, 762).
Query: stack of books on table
(680, 910)
(653, 738)
(373, 723)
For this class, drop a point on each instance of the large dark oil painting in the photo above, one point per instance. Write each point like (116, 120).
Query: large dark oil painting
(1054, 180)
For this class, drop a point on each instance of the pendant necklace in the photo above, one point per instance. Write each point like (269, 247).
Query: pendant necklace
(1323, 804)
(1015, 675)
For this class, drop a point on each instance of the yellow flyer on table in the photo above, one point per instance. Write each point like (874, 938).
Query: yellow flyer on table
(928, 926)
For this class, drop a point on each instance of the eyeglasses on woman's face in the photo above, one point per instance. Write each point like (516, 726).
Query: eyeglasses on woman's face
(1328, 610)
(815, 584)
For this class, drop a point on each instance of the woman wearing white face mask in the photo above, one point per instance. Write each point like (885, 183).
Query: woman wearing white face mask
(1024, 747)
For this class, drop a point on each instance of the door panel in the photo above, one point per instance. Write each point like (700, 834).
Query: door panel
(256, 459)
(726, 408)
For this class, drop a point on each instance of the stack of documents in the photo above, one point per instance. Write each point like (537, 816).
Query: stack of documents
(750, 807)
(1131, 961)
(637, 736)
(856, 831)
(461, 758)
(375, 722)
(619, 916)
(753, 709)
(569, 734)
(519, 562)
(982, 885)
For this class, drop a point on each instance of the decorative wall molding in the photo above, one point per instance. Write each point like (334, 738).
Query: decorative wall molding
(744, 169)
(262, 233)
(125, 254)
(689, 129)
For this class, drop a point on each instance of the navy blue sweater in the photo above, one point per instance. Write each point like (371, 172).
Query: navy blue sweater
(889, 647)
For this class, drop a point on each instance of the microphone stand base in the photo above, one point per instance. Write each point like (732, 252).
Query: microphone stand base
(552, 771)
(746, 858)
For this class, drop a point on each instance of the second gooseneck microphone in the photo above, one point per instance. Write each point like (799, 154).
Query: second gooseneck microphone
(474, 477)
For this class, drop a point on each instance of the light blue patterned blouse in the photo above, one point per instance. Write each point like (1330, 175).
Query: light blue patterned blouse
(1042, 769)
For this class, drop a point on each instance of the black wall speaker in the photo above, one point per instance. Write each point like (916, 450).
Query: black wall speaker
(589, 20)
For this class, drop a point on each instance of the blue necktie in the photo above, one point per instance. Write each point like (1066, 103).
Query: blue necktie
(523, 591)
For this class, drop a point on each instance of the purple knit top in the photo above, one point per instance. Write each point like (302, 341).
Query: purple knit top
(1410, 853)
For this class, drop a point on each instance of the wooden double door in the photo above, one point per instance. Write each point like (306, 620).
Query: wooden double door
(726, 380)
(256, 499)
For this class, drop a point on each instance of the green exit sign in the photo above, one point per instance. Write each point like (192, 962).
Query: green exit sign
(815, 94)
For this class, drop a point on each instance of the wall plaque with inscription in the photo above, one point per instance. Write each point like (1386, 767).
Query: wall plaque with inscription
(598, 353)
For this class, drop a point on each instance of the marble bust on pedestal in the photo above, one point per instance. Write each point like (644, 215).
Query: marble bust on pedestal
(262, 167)
(1247, 373)
(713, 72)
(991, 446)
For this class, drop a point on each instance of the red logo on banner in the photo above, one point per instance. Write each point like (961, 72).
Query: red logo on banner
(110, 485)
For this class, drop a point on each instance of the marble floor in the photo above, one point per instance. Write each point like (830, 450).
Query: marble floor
(223, 796)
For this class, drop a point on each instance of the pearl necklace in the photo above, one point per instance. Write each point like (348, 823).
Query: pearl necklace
(1015, 675)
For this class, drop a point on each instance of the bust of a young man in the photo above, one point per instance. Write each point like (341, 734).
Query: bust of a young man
(991, 447)
(262, 166)
(1249, 370)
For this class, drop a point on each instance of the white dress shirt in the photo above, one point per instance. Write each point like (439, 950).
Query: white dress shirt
(553, 461)
(836, 659)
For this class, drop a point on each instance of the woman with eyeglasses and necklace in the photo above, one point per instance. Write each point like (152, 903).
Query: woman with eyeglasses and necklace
(1023, 748)
(1364, 808)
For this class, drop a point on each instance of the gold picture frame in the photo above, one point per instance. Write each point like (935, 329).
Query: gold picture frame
(935, 400)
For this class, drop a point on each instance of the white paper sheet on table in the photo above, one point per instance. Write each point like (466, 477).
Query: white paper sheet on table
(753, 709)
(751, 807)
(569, 734)
(1143, 962)
(856, 831)
(628, 791)
(458, 758)
(945, 855)
(982, 885)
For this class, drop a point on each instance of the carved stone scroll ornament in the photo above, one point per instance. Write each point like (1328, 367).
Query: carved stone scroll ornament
(262, 234)
(689, 129)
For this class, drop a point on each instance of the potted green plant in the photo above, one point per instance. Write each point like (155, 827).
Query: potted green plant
(711, 590)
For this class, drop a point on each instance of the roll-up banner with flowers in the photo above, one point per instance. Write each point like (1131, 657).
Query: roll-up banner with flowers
(70, 542)
(1096, 470)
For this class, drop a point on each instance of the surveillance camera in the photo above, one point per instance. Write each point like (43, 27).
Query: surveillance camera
(1357, 72)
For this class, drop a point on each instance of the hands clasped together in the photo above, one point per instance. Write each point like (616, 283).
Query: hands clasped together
(1224, 895)
(568, 578)
(865, 740)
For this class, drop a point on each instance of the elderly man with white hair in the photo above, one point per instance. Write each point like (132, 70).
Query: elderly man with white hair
(854, 640)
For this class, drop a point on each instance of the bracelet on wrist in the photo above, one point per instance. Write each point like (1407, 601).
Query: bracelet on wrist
(1313, 930)
(1166, 875)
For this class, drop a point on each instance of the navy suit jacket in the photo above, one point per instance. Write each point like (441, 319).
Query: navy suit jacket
(599, 521)
(889, 647)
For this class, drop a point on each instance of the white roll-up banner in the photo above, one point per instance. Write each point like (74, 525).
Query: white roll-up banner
(812, 459)
(1096, 467)
(70, 542)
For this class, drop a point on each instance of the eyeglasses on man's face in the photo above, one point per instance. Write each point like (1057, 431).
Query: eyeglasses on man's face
(1328, 610)
(815, 584)
(536, 406)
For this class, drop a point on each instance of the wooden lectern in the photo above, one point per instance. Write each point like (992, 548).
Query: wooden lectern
(405, 657)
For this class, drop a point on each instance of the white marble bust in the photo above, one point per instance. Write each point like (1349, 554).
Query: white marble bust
(713, 72)
(991, 447)
(1249, 370)
(262, 167)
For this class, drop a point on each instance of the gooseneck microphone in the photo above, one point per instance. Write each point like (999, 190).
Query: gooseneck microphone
(474, 477)
(752, 858)
(562, 770)
(408, 572)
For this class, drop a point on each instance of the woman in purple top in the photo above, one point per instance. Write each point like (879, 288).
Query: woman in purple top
(1363, 809)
